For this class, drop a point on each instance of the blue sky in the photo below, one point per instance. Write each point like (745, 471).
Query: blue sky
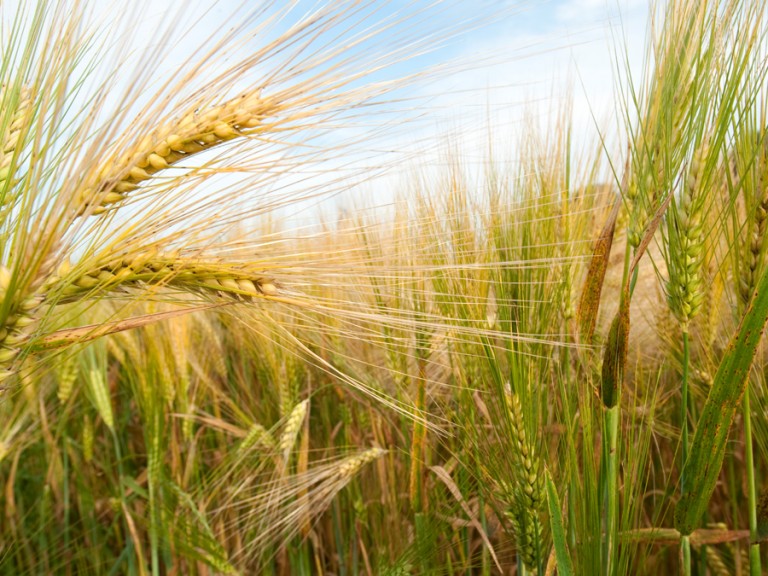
(522, 51)
(523, 58)
(513, 60)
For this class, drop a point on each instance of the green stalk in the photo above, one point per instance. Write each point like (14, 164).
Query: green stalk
(611, 494)
(755, 568)
(418, 440)
(609, 461)
(685, 542)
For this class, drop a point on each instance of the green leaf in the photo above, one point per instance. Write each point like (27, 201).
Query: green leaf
(708, 448)
(564, 564)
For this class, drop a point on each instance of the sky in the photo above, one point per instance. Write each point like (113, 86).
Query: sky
(538, 57)
(551, 52)
(521, 53)
(499, 62)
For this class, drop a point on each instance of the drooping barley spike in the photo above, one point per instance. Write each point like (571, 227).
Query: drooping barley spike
(220, 563)
(257, 435)
(292, 428)
(194, 132)
(686, 234)
(352, 465)
(152, 269)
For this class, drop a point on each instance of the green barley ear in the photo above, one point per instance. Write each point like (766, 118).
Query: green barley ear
(529, 471)
(292, 428)
(748, 177)
(685, 246)
(95, 370)
(87, 439)
(97, 384)
(257, 435)
(66, 372)
(523, 500)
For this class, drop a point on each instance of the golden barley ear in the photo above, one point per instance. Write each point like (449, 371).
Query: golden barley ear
(194, 132)
(118, 274)
(16, 122)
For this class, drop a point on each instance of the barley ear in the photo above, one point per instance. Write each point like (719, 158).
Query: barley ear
(523, 500)
(292, 428)
(11, 140)
(192, 133)
(351, 466)
(100, 397)
(257, 436)
(685, 229)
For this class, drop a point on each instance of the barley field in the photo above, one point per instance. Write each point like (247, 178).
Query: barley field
(552, 365)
